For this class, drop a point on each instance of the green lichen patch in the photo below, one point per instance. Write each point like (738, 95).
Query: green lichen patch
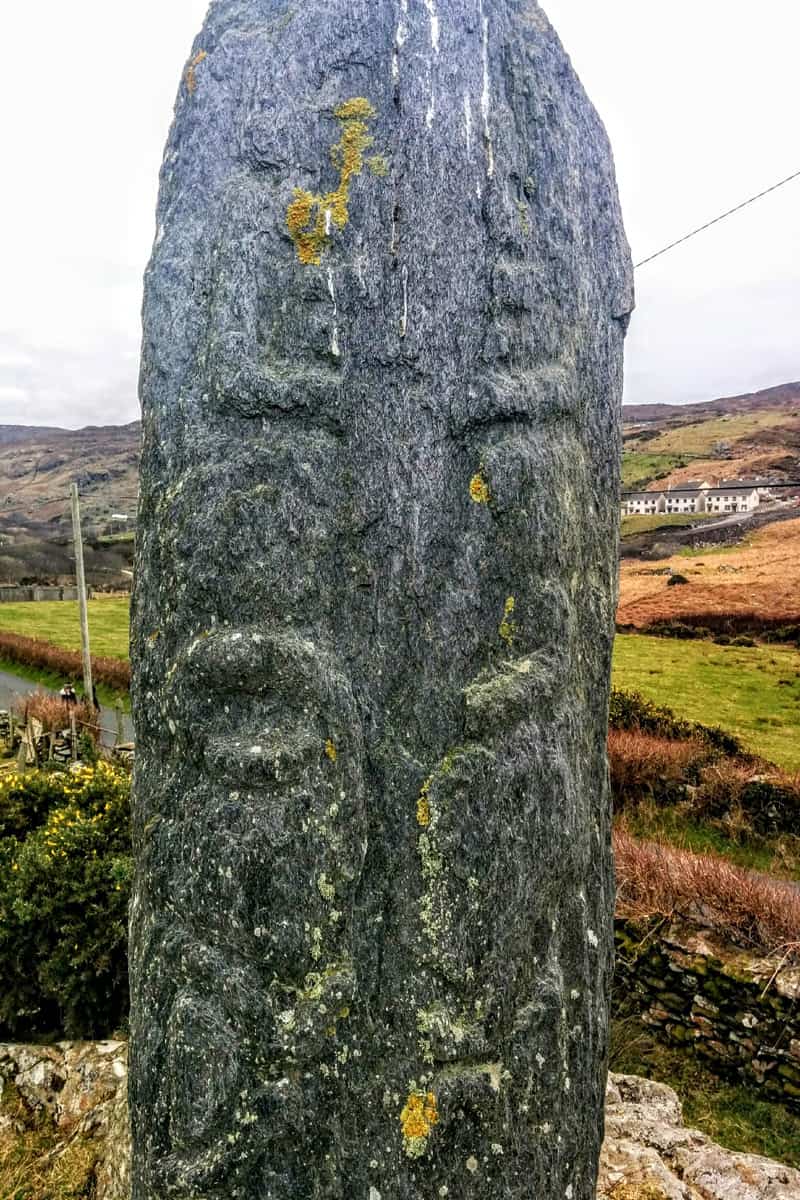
(508, 628)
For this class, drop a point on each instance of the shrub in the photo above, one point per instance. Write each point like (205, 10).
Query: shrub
(768, 801)
(630, 710)
(676, 629)
(742, 640)
(654, 880)
(643, 765)
(676, 579)
(722, 639)
(54, 714)
(63, 903)
(34, 652)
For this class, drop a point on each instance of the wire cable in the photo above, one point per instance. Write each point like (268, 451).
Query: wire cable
(716, 220)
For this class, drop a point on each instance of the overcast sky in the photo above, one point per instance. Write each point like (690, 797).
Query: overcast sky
(699, 97)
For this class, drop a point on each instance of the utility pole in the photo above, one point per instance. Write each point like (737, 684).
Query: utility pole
(82, 605)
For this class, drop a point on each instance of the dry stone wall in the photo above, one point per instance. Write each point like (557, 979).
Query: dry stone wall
(77, 1090)
(738, 1011)
(648, 1154)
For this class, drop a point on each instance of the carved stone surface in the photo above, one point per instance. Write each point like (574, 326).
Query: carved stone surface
(371, 931)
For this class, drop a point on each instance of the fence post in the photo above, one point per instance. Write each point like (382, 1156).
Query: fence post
(73, 736)
(120, 723)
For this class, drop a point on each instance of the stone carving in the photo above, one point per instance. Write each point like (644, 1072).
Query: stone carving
(371, 930)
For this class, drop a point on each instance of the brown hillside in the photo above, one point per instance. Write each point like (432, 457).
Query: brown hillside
(784, 395)
(761, 576)
(37, 466)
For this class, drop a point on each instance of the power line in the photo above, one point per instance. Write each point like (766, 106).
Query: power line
(716, 220)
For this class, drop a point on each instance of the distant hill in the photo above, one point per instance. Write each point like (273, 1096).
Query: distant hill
(734, 437)
(37, 466)
(785, 395)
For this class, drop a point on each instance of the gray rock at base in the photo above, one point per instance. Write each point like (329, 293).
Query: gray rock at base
(649, 1154)
(371, 929)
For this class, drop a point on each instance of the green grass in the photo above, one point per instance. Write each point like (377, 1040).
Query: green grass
(638, 468)
(57, 621)
(675, 825)
(753, 692)
(727, 548)
(110, 539)
(730, 1113)
(646, 522)
(701, 437)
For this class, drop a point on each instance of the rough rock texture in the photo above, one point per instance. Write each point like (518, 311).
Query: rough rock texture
(649, 1155)
(74, 1095)
(371, 931)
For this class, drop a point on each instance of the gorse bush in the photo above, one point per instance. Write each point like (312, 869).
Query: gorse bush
(65, 872)
(769, 801)
(630, 710)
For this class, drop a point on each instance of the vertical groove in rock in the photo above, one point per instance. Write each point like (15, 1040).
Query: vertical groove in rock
(371, 930)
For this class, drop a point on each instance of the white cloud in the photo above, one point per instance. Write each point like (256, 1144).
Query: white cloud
(699, 100)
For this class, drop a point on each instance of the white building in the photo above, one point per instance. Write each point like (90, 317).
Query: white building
(732, 497)
(697, 496)
(642, 503)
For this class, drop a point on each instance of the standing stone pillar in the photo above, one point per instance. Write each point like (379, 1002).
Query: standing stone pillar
(374, 606)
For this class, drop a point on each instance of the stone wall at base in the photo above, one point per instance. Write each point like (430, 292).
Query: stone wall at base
(79, 1091)
(648, 1154)
(739, 1011)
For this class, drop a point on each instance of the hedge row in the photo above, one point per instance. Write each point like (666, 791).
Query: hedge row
(35, 652)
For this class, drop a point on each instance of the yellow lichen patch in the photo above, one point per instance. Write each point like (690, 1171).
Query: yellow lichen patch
(191, 71)
(357, 108)
(479, 489)
(378, 165)
(424, 804)
(331, 751)
(309, 216)
(417, 1120)
(507, 628)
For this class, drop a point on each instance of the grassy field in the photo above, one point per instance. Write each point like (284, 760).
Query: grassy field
(646, 522)
(753, 692)
(702, 437)
(676, 825)
(639, 468)
(57, 621)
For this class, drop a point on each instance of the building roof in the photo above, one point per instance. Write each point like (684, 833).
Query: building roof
(721, 493)
(738, 485)
(642, 496)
